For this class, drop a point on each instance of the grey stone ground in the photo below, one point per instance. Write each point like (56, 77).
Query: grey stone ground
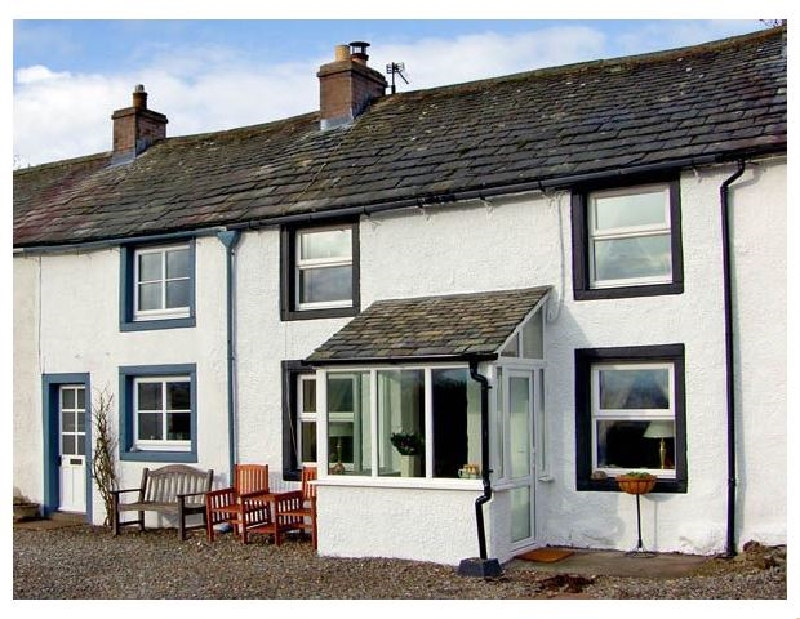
(88, 563)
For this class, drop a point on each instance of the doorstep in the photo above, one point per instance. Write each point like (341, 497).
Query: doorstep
(616, 563)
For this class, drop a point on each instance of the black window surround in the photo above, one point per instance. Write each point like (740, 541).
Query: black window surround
(288, 293)
(584, 359)
(581, 284)
(290, 370)
(127, 320)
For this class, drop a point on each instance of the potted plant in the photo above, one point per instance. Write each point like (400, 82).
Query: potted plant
(410, 446)
(636, 482)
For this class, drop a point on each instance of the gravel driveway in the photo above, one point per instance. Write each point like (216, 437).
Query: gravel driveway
(83, 562)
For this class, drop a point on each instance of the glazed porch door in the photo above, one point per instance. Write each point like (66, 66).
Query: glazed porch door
(72, 448)
(518, 391)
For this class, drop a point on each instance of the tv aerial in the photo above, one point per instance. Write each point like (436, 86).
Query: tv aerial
(396, 68)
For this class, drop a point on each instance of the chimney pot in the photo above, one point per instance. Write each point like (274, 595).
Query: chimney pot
(139, 97)
(358, 51)
(341, 53)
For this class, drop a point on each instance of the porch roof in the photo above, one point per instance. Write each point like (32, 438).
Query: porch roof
(448, 327)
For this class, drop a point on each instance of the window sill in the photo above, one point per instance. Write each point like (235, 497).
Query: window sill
(625, 292)
(152, 325)
(663, 486)
(419, 483)
(316, 314)
(158, 456)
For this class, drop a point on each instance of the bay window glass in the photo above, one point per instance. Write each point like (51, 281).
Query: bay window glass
(456, 422)
(401, 423)
(349, 424)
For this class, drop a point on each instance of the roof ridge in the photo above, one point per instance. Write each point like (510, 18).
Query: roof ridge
(633, 59)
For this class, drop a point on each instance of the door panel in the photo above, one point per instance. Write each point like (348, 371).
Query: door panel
(72, 448)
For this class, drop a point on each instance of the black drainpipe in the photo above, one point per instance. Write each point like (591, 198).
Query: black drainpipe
(730, 549)
(482, 566)
(229, 238)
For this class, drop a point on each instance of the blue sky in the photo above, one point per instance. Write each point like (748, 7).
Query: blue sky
(69, 75)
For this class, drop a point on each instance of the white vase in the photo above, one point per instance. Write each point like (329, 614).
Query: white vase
(410, 466)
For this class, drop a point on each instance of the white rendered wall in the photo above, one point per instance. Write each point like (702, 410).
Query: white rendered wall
(758, 207)
(517, 245)
(27, 413)
(511, 244)
(80, 333)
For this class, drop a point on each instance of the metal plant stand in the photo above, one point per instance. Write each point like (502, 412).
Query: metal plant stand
(639, 551)
(637, 485)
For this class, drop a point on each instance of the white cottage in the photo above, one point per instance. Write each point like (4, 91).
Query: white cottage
(471, 307)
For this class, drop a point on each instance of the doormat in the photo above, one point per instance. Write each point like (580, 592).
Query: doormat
(545, 555)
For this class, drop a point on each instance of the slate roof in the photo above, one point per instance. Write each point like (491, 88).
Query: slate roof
(449, 326)
(710, 102)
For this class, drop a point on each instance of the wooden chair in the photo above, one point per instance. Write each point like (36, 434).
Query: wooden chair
(229, 505)
(304, 514)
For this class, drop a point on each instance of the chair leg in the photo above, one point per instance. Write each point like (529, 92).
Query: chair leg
(210, 528)
(314, 531)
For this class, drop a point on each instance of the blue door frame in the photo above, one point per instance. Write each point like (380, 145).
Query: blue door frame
(50, 411)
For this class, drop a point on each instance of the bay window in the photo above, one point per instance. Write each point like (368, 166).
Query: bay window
(411, 422)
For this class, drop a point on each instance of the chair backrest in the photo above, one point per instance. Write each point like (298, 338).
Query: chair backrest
(251, 478)
(309, 474)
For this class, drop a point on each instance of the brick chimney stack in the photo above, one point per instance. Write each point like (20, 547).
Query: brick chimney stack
(347, 85)
(136, 128)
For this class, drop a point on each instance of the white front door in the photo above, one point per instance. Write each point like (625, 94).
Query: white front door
(72, 448)
(519, 391)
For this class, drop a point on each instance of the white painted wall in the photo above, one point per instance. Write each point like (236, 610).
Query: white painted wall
(27, 414)
(512, 244)
(79, 295)
(759, 208)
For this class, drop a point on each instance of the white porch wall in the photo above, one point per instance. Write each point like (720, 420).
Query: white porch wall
(80, 333)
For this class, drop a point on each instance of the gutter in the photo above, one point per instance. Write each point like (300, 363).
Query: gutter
(481, 566)
(389, 360)
(724, 202)
(422, 200)
(487, 191)
(116, 242)
(229, 239)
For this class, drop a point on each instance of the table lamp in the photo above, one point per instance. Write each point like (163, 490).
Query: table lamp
(661, 429)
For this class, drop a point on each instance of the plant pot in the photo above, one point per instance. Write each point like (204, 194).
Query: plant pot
(26, 511)
(410, 466)
(636, 484)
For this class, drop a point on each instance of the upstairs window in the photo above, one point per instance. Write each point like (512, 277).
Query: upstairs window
(163, 283)
(319, 272)
(157, 286)
(626, 242)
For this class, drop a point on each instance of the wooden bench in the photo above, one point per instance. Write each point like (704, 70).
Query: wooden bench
(175, 490)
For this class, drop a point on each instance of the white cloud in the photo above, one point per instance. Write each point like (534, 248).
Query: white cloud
(63, 115)
(38, 73)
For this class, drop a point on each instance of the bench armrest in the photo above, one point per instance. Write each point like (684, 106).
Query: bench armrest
(118, 492)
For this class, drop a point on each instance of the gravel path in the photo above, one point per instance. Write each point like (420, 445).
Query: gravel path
(85, 562)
